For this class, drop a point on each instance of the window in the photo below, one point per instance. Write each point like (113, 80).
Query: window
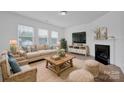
(43, 36)
(25, 35)
(54, 38)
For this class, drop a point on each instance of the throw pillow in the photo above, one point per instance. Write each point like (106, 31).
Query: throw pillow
(28, 48)
(14, 66)
(33, 48)
(45, 47)
(10, 54)
(24, 48)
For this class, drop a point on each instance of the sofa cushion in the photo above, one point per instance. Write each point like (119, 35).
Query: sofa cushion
(21, 52)
(23, 62)
(53, 50)
(41, 47)
(14, 66)
(25, 68)
(33, 54)
(33, 48)
(46, 46)
(42, 52)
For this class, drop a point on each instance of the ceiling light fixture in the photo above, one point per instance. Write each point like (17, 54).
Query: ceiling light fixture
(63, 12)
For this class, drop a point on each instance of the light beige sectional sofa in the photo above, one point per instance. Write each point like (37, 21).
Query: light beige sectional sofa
(40, 52)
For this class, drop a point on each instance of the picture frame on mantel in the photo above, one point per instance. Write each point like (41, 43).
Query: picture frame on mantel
(101, 33)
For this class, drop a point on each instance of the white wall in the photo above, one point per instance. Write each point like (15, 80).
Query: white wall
(114, 22)
(8, 27)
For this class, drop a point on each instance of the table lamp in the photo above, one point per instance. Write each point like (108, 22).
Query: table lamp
(13, 46)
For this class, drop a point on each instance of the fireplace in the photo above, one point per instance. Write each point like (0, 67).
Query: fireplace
(102, 53)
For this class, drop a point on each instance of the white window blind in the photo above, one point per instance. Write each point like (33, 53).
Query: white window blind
(43, 36)
(25, 35)
(54, 38)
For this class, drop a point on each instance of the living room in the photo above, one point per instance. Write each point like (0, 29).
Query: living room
(50, 27)
(53, 46)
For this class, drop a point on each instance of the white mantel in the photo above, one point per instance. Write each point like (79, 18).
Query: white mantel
(111, 43)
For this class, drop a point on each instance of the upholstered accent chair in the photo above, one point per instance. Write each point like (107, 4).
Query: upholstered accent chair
(27, 74)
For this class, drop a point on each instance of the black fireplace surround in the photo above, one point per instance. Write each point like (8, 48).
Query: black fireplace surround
(102, 53)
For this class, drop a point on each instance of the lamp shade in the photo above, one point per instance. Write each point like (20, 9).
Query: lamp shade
(13, 42)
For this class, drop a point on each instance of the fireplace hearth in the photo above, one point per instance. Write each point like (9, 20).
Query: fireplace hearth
(102, 53)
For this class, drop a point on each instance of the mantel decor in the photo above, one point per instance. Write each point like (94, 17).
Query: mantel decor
(101, 33)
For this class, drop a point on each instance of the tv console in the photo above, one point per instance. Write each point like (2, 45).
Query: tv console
(79, 49)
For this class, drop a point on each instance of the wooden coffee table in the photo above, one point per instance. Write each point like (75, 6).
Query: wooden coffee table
(59, 65)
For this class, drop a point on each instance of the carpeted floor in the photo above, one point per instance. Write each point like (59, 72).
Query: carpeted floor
(46, 75)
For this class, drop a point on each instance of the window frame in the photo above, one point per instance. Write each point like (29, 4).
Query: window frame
(54, 38)
(33, 33)
(41, 36)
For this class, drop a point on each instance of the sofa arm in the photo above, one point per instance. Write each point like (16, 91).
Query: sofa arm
(29, 75)
(20, 58)
(23, 62)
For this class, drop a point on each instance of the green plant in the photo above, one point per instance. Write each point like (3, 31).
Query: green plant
(61, 52)
(63, 44)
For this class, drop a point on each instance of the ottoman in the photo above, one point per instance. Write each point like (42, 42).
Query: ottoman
(81, 75)
(93, 67)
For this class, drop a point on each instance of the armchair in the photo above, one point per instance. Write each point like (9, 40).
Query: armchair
(27, 73)
(22, 61)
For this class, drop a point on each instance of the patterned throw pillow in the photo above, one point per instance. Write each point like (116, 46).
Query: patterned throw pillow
(13, 64)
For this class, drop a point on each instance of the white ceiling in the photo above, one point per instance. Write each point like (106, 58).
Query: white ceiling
(73, 18)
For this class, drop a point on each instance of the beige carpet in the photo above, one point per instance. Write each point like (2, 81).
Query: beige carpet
(46, 75)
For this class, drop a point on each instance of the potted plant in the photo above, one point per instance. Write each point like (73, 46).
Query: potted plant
(63, 44)
(61, 52)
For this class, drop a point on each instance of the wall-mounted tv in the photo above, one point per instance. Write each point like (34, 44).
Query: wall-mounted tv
(79, 37)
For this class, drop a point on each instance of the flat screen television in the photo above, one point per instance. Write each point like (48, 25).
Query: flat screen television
(79, 37)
